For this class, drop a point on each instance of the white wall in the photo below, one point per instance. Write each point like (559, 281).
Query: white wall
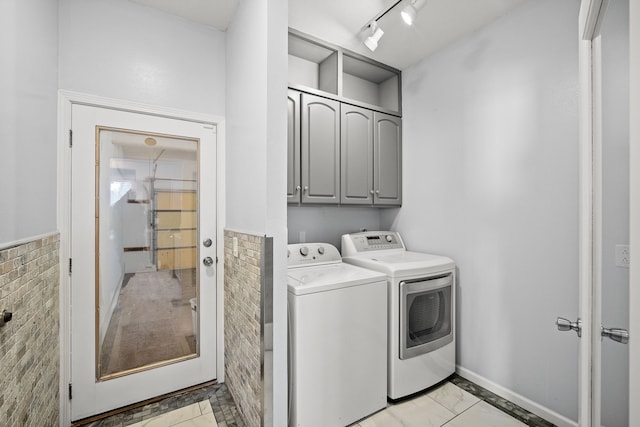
(28, 105)
(615, 204)
(256, 155)
(490, 161)
(328, 224)
(122, 50)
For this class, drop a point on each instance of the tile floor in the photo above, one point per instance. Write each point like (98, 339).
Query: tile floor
(447, 405)
(456, 402)
(223, 411)
(195, 415)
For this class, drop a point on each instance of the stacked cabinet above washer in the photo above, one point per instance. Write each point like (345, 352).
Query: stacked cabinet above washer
(371, 156)
(344, 127)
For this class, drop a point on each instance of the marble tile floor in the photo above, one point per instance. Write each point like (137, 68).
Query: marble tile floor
(224, 412)
(195, 415)
(456, 402)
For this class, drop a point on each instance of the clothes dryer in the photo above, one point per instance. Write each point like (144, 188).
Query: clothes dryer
(421, 307)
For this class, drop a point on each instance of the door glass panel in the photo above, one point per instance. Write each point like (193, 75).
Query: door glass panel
(615, 212)
(146, 228)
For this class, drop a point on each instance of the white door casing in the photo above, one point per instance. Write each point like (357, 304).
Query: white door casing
(592, 12)
(634, 223)
(122, 391)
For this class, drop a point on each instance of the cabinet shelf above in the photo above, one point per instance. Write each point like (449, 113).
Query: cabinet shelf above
(330, 71)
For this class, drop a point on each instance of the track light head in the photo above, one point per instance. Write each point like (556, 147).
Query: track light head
(410, 11)
(371, 35)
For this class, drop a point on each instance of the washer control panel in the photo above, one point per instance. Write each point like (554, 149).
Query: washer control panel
(371, 241)
(299, 254)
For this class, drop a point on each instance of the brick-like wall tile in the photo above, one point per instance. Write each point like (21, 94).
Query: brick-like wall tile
(29, 344)
(242, 279)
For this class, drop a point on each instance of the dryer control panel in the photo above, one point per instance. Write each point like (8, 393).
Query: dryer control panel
(371, 241)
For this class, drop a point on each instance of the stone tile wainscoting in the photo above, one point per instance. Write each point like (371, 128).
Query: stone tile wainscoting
(243, 275)
(29, 343)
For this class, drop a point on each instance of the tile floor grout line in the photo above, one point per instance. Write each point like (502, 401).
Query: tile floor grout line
(457, 415)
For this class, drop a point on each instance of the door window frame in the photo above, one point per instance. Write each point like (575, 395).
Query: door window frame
(66, 99)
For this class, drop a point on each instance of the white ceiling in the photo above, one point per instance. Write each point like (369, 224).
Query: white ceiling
(215, 13)
(439, 23)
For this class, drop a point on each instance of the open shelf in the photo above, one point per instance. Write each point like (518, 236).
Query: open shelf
(323, 69)
(370, 83)
(313, 65)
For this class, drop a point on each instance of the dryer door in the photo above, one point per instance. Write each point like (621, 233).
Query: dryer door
(426, 310)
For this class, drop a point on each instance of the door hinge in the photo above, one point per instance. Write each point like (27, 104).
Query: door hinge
(70, 138)
(70, 266)
(216, 259)
(70, 391)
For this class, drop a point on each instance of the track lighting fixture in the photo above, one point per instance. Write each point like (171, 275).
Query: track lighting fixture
(410, 11)
(371, 35)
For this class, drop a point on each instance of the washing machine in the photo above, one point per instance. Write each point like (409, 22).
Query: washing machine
(337, 338)
(421, 307)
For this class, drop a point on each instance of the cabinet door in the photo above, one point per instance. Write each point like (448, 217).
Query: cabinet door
(387, 157)
(320, 162)
(293, 147)
(356, 141)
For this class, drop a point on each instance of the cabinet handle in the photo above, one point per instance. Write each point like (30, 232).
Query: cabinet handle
(377, 191)
(297, 188)
(370, 191)
(305, 189)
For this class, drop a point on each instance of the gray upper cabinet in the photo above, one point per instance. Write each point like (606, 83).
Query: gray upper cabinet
(344, 127)
(387, 158)
(356, 139)
(320, 150)
(293, 147)
(371, 148)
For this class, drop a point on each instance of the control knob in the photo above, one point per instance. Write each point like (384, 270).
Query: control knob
(304, 251)
(321, 250)
(389, 238)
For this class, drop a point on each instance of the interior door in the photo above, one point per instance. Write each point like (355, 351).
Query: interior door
(611, 216)
(143, 257)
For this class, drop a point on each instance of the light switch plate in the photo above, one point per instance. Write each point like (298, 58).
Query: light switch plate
(623, 256)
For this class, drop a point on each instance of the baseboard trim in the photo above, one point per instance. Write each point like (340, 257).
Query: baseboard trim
(529, 405)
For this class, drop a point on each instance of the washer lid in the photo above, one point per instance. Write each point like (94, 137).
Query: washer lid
(321, 278)
(402, 263)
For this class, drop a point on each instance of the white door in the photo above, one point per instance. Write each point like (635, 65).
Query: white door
(605, 215)
(610, 56)
(143, 252)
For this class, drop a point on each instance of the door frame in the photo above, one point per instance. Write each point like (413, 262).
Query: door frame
(65, 101)
(590, 212)
(634, 202)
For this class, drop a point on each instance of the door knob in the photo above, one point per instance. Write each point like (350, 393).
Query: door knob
(208, 261)
(617, 334)
(567, 325)
(207, 243)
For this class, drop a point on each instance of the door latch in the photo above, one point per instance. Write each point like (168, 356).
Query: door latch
(617, 334)
(567, 325)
